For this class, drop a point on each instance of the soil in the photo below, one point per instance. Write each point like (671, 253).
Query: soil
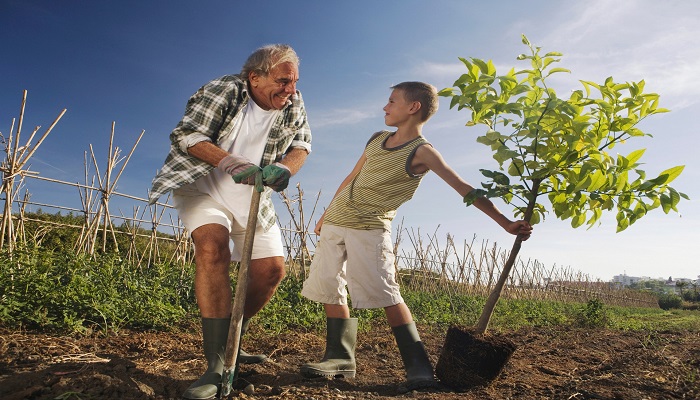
(548, 363)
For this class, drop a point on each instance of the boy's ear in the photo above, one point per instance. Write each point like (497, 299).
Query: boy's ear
(415, 107)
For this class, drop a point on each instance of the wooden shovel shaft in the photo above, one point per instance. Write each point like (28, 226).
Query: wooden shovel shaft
(234, 331)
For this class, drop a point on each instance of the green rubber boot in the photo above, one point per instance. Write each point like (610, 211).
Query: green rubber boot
(419, 370)
(243, 357)
(339, 359)
(214, 335)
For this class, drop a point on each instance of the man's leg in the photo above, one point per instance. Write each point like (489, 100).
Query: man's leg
(213, 292)
(264, 275)
(212, 284)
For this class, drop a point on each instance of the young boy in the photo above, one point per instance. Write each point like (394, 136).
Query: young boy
(355, 247)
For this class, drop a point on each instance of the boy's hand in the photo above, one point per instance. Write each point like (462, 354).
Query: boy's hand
(317, 228)
(521, 228)
(276, 176)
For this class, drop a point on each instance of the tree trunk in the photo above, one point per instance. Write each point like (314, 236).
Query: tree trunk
(483, 323)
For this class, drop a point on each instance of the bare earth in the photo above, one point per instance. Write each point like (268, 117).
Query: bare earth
(549, 363)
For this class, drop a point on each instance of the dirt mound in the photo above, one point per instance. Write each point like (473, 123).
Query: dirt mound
(548, 363)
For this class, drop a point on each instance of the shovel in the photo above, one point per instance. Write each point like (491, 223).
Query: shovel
(234, 331)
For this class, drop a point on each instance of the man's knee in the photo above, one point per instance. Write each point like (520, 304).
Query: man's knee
(270, 270)
(210, 255)
(211, 245)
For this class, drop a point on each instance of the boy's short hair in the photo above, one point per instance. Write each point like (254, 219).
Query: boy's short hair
(424, 93)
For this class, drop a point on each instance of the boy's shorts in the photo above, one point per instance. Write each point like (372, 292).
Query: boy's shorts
(196, 209)
(361, 259)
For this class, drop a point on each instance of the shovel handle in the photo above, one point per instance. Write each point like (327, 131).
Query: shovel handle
(234, 331)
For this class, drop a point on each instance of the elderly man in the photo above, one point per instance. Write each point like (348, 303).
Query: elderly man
(222, 143)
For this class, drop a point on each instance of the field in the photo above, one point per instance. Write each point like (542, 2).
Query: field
(549, 363)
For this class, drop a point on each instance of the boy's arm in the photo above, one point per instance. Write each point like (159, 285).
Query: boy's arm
(343, 184)
(427, 157)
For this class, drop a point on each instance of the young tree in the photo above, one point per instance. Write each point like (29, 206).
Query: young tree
(557, 148)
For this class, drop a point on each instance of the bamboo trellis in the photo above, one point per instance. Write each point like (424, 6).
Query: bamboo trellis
(431, 267)
(98, 229)
(14, 166)
(427, 264)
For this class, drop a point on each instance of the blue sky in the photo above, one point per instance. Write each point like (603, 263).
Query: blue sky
(137, 63)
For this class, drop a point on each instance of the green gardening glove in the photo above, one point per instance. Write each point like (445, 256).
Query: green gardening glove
(276, 176)
(242, 170)
(250, 176)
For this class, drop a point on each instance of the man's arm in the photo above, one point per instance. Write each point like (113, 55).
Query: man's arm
(207, 152)
(428, 157)
(295, 159)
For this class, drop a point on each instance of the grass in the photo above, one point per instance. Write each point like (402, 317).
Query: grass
(67, 292)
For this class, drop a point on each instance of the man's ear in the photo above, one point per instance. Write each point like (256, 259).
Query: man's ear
(253, 78)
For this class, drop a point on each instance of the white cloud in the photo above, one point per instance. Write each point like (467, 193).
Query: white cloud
(346, 116)
(631, 41)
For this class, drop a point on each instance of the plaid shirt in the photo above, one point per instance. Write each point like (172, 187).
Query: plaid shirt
(212, 112)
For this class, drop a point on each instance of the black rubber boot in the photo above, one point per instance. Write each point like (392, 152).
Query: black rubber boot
(339, 359)
(243, 357)
(419, 370)
(214, 335)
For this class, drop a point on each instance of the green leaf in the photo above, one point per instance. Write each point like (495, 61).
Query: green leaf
(622, 225)
(622, 180)
(555, 70)
(578, 220)
(446, 92)
(671, 173)
(473, 196)
(598, 179)
(516, 168)
(634, 156)
(666, 203)
(583, 183)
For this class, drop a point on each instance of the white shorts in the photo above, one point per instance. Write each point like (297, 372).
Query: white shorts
(196, 209)
(362, 260)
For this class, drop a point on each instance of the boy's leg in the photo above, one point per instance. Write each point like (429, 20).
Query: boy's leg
(419, 369)
(326, 284)
(398, 315)
(339, 357)
(337, 310)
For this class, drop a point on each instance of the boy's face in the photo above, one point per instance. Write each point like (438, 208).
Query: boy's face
(398, 109)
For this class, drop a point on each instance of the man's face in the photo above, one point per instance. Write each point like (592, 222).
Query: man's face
(273, 91)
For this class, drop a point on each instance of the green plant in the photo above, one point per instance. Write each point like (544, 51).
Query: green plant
(44, 289)
(592, 314)
(669, 301)
(557, 148)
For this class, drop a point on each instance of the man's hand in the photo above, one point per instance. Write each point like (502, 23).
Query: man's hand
(276, 176)
(242, 170)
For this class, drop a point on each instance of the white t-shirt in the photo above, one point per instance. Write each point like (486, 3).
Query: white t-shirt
(248, 139)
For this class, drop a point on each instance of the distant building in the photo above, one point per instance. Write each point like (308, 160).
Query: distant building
(626, 280)
(670, 283)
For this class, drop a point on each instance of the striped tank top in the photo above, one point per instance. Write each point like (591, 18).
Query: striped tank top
(383, 184)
